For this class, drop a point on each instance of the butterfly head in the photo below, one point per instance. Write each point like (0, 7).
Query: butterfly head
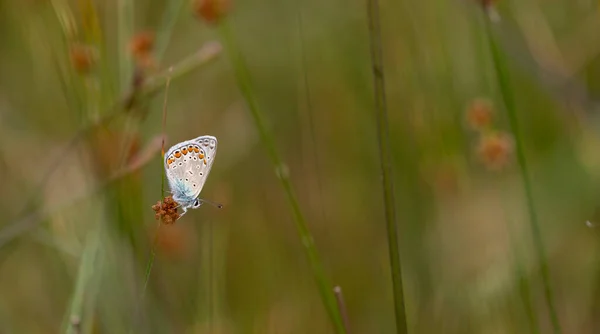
(196, 204)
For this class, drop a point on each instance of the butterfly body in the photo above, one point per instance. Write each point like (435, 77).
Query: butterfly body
(187, 166)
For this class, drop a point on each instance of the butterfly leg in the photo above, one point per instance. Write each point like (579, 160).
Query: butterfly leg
(183, 213)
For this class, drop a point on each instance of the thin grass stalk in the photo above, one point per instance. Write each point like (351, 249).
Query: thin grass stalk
(162, 189)
(209, 293)
(171, 13)
(339, 297)
(385, 157)
(208, 53)
(309, 107)
(502, 73)
(94, 36)
(87, 266)
(124, 31)
(245, 85)
(518, 262)
(525, 293)
(165, 31)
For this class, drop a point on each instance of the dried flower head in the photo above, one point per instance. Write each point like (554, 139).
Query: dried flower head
(82, 58)
(166, 211)
(480, 114)
(495, 150)
(211, 11)
(141, 43)
(141, 46)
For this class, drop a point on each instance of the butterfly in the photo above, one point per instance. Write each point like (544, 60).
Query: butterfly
(187, 166)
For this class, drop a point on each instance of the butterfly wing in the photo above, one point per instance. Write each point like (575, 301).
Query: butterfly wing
(209, 145)
(187, 165)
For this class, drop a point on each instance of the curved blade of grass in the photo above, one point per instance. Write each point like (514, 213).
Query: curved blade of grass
(502, 73)
(386, 163)
(209, 52)
(244, 82)
(339, 297)
(164, 32)
(162, 187)
(88, 265)
(124, 31)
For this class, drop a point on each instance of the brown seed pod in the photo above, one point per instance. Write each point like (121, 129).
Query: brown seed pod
(166, 211)
(211, 11)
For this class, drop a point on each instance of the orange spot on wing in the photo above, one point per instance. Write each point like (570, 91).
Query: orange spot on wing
(177, 154)
(204, 162)
(201, 156)
(184, 150)
(196, 149)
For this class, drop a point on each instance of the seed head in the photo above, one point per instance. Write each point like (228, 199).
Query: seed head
(141, 46)
(480, 114)
(167, 210)
(495, 150)
(211, 11)
(82, 58)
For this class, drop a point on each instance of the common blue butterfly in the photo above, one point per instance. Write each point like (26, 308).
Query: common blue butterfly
(187, 166)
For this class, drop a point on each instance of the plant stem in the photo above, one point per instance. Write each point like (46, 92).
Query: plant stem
(163, 35)
(386, 163)
(504, 83)
(209, 52)
(162, 185)
(87, 267)
(124, 31)
(245, 85)
(339, 297)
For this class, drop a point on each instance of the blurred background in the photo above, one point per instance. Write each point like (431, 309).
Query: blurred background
(82, 85)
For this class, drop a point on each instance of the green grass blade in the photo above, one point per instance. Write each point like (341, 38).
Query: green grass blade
(162, 188)
(386, 164)
(87, 267)
(502, 73)
(125, 31)
(208, 53)
(164, 32)
(244, 82)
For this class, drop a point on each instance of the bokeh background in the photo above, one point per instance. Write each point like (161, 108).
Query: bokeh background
(81, 121)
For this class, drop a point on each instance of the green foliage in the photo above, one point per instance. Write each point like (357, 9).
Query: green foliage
(299, 168)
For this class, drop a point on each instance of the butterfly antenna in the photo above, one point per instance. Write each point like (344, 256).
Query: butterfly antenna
(216, 205)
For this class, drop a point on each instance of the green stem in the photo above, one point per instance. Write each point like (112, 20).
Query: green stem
(509, 102)
(162, 184)
(520, 272)
(209, 52)
(88, 266)
(245, 85)
(386, 163)
(125, 31)
(163, 35)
